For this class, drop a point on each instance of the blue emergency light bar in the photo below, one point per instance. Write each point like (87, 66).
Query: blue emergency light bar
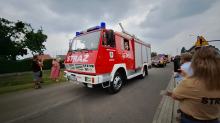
(102, 26)
(93, 28)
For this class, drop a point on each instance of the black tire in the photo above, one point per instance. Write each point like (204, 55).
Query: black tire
(145, 73)
(85, 84)
(116, 84)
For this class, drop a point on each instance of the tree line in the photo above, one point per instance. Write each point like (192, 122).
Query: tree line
(17, 38)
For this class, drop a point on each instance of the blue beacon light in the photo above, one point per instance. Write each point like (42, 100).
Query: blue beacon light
(102, 24)
(77, 33)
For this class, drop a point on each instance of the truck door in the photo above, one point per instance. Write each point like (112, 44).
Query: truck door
(127, 53)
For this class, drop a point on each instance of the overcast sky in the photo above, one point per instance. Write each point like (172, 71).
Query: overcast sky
(167, 25)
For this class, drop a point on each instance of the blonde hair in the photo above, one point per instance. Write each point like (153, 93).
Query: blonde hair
(206, 67)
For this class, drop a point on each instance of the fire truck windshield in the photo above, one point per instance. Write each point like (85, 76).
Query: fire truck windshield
(88, 41)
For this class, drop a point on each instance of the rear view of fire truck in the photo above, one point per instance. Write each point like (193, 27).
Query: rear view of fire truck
(100, 56)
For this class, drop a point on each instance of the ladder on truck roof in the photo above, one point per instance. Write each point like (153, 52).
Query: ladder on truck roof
(123, 31)
(133, 36)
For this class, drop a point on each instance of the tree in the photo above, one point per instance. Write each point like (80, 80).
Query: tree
(34, 41)
(153, 54)
(183, 50)
(17, 37)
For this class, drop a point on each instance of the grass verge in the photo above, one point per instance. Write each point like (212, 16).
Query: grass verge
(24, 81)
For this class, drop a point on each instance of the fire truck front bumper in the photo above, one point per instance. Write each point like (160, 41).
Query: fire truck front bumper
(90, 79)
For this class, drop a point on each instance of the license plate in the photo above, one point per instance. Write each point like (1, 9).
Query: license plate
(72, 77)
(89, 85)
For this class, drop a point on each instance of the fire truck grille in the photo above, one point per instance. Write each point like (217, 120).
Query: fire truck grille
(81, 67)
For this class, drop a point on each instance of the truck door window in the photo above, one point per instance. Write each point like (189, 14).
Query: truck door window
(126, 44)
(108, 39)
(104, 39)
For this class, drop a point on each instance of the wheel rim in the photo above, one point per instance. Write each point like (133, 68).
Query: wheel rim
(117, 82)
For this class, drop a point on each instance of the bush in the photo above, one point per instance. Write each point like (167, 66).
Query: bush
(21, 66)
(47, 64)
(15, 66)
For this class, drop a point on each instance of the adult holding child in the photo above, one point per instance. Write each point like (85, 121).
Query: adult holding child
(199, 94)
(36, 67)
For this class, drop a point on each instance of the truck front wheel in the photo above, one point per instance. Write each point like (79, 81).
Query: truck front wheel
(116, 84)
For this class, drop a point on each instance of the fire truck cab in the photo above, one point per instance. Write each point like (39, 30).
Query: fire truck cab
(103, 56)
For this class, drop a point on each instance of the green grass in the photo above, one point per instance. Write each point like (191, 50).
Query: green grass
(24, 81)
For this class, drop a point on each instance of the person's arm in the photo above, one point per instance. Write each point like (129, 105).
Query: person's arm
(185, 90)
(53, 63)
(170, 94)
(40, 63)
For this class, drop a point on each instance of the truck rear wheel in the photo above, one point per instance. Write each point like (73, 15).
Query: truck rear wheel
(116, 84)
(145, 73)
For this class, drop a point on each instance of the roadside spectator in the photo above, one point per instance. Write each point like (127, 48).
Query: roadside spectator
(41, 70)
(176, 63)
(199, 94)
(36, 67)
(55, 70)
(185, 61)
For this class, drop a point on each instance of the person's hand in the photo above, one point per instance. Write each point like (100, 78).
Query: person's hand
(165, 92)
(169, 93)
(183, 73)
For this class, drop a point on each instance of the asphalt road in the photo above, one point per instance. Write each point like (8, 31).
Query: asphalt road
(67, 103)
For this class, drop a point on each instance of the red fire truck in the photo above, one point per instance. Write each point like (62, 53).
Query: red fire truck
(100, 56)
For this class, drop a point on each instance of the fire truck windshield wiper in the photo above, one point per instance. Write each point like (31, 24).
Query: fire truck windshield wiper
(80, 50)
(73, 50)
(84, 49)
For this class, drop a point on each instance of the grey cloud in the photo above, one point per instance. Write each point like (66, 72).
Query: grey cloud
(92, 11)
(169, 11)
(167, 18)
(91, 8)
(68, 15)
(188, 8)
